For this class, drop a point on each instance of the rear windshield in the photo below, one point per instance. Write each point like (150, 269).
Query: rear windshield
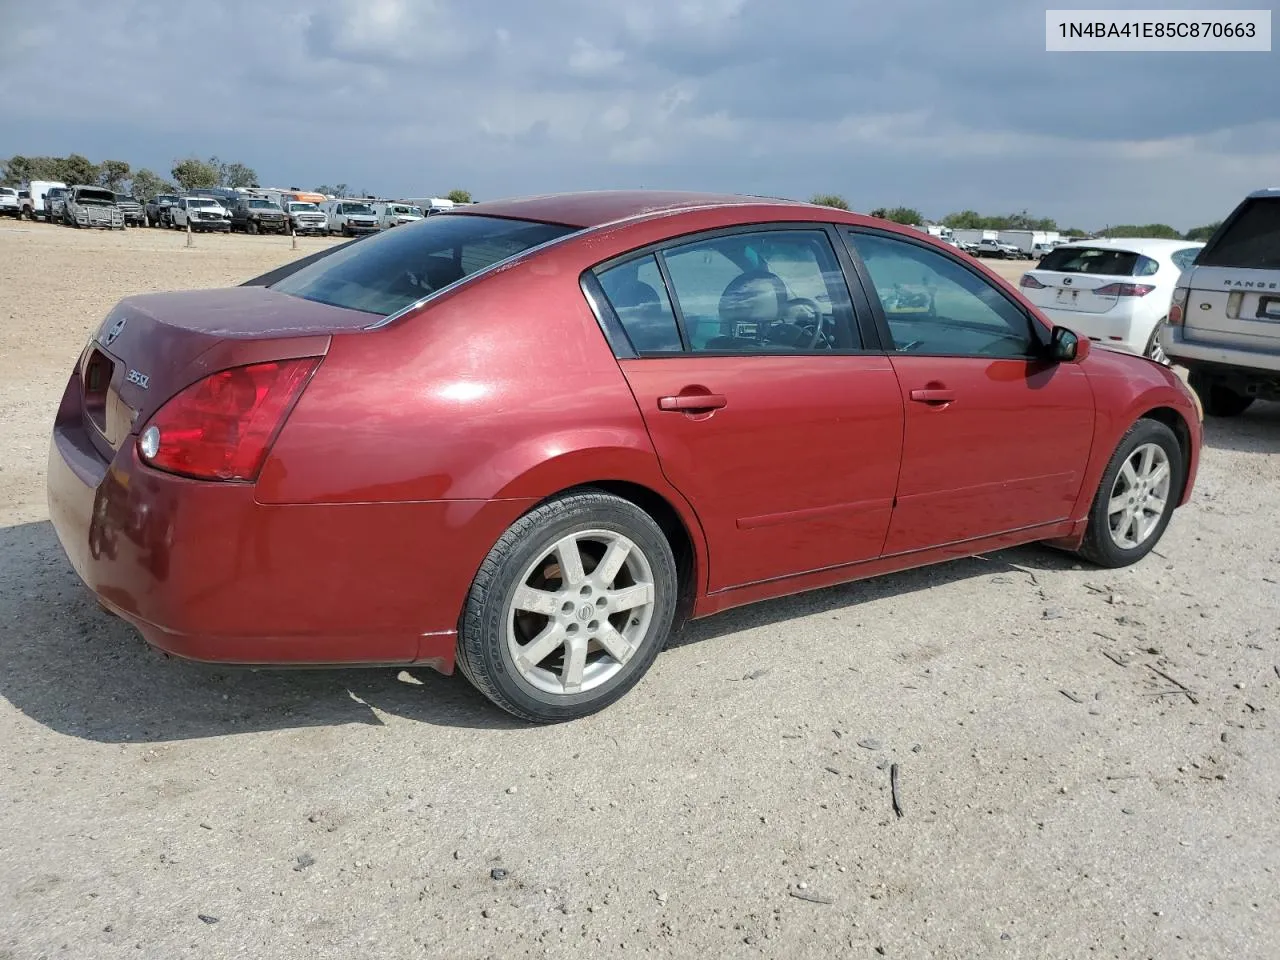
(1098, 260)
(388, 271)
(1250, 241)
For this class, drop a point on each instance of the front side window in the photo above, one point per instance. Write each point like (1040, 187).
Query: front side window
(388, 271)
(776, 291)
(639, 298)
(934, 305)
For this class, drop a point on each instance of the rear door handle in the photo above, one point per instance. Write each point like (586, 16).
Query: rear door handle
(691, 402)
(933, 396)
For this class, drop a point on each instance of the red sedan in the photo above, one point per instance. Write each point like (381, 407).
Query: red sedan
(530, 437)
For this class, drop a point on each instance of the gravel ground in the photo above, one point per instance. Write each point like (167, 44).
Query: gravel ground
(1062, 795)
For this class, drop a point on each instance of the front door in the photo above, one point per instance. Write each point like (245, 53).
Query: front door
(764, 409)
(997, 438)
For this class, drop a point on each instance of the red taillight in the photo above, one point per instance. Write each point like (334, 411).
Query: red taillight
(221, 427)
(1124, 290)
(1029, 282)
(1178, 307)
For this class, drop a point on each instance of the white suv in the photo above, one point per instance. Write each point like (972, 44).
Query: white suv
(1224, 324)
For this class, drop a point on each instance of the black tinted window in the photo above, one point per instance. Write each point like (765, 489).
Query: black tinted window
(389, 271)
(1251, 241)
(1097, 260)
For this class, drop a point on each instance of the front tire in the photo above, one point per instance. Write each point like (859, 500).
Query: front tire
(570, 608)
(1136, 497)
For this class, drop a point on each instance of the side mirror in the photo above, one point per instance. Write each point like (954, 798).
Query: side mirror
(1065, 346)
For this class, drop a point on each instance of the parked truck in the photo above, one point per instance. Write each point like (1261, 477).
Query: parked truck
(392, 214)
(87, 206)
(307, 217)
(35, 206)
(1029, 240)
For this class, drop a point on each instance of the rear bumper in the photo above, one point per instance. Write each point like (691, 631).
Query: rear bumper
(206, 572)
(1193, 353)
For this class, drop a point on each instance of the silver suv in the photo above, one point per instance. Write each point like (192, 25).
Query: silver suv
(1224, 323)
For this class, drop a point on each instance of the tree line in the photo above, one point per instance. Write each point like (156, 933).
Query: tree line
(186, 175)
(972, 220)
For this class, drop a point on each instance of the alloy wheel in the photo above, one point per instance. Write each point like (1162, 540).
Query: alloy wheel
(1139, 496)
(580, 611)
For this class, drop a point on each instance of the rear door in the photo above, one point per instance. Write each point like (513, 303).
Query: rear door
(996, 438)
(744, 352)
(1235, 282)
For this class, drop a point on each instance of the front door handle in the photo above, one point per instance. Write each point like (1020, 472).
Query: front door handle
(692, 402)
(933, 395)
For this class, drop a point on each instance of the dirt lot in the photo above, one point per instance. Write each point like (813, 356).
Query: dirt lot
(1062, 796)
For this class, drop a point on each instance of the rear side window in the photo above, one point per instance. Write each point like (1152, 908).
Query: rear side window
(1250, 241)
(1185, 257)
(1098, 260)
(639, 297)
(388, 271)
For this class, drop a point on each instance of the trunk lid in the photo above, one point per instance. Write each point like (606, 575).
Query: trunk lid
(1072, 291)
(1233, 307)
(151, 347)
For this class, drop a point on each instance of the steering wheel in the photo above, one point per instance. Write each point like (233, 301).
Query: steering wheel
(804, 317)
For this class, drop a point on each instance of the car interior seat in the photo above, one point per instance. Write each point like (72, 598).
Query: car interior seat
(749, 306)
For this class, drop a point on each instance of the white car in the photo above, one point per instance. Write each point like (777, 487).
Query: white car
(1115, 291)
(9, 202)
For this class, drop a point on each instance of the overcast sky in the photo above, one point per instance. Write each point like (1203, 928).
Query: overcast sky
(938, 104)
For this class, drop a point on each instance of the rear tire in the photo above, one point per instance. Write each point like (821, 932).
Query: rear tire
(597, 629)
(1133, 505)
(1217, 400)
(1154, 351)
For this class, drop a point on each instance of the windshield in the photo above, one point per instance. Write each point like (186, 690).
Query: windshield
(356, 208)
(201, 202)
(303, 208)
(96, 196)
(1250, 240)
(263, 205)
(389, 271)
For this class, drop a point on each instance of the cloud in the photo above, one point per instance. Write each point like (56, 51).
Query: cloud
(938, 106)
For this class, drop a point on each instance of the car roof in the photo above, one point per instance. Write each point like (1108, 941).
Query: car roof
(1154, 245)
(597, 207)
(1267, 192)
